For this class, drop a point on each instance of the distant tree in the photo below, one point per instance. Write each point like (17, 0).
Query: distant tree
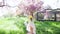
(47, 14)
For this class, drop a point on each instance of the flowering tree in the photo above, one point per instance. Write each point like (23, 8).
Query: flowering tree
(30, 6)
(47, 15)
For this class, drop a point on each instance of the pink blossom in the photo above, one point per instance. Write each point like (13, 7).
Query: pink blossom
(31, 6)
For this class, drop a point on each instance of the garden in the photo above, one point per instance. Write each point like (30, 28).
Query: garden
(41, 17)
(15, 25)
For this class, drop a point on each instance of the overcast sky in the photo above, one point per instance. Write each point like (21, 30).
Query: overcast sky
(53, 3)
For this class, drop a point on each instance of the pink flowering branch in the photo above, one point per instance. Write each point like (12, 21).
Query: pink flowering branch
(31, 6)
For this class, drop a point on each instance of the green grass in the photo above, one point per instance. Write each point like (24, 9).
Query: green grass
(15, 25)
(12, 25)
(47, 27)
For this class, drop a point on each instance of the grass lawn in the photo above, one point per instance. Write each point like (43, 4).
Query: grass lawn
(15, 25)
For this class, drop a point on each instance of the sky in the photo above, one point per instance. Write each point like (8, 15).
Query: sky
(53, 3)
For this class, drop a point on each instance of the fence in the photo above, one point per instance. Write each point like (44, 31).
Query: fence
(52, 15)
